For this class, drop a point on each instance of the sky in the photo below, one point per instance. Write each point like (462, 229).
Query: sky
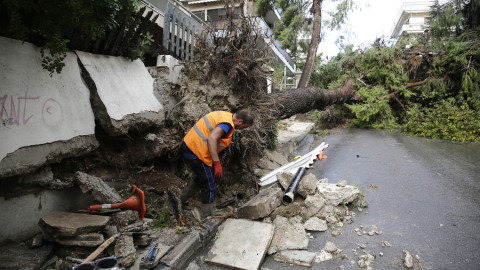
(369, 20)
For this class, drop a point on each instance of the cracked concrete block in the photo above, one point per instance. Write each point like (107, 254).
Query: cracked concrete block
(122, 94)
(285, 178)
(181, 255)
(267, 164)
(288, 236)
(307, 186)
(313, 204)
(241, 244)
(83, 240)
(316, 224)
(44, 118)
(262, 204)
(125, 248)
(335, 195)
(65, 224)
(298, 257)
(102, 192)
(276, 157)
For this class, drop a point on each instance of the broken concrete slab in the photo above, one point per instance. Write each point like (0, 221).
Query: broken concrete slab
(181, 255)
(262, 204)
(288, 210)
(266, 164)
(83, 240)
(58, 224)
(308, 185)
(298, 257)
(121, 93)
(241, 244)
(313, 204)
(276, 157)
(287, 236)
(45, 118)
(335, 195)
(125, 250)
(97, 187)
(316, 224)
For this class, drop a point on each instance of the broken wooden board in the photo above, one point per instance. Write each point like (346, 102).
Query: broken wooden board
(241, 244)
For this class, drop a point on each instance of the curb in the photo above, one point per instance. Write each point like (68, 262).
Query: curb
(184, 252)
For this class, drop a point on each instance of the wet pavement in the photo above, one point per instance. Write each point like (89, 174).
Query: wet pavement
(423, 195)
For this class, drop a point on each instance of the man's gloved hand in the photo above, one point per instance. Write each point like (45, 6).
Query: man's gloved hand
(218, 169)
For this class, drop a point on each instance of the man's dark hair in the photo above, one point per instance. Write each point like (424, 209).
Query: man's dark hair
(245, 116)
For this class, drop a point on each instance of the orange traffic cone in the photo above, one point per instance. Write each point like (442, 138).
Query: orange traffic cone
(136, 202)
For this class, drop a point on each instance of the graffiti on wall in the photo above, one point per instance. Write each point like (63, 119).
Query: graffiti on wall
(22, 110)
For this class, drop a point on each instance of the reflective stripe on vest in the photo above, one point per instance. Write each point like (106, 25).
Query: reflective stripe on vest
(196, 140)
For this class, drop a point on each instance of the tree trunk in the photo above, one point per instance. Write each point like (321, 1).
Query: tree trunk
(312, 50)
(302, 100)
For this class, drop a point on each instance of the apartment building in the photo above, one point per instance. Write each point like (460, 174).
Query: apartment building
(413, 17)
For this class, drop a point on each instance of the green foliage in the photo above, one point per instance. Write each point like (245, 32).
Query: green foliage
(375, 111)
(50, 24)
(164, 219)
(52, 58)
(425, 87)
(448, 120)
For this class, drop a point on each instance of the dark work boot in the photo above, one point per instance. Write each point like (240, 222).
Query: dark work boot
(207, 209)
(188, 192)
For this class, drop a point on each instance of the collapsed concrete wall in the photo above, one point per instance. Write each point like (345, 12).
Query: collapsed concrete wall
(46, 119)
(52, 114)
(122, 93)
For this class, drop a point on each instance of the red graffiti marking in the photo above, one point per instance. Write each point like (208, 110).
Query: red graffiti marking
(52, 111)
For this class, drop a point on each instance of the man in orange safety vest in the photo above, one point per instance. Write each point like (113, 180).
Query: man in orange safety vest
(201, 146)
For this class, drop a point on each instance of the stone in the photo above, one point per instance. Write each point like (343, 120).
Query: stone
(284, 179)
(341, 183)
(83, 240)
(338, 195)
(125, 249)
(287, 236)
(267, 164)
(288, 210)
(102, 192)
(183, 252)
(58, 224)
(307, 186)
(125, 218)
(323, 256)
(408, 261)
(276, 157)
(262, 204)
(297, 257)
(330, 247)
(241, 244)
(316, 224)
(313, 204)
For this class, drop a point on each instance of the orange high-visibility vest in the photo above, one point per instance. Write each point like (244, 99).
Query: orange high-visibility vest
(196, 138)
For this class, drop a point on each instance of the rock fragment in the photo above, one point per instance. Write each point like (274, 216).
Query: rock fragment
(262, 204)
(298, 257)
(316, 224)
(408, 261)
(287, 236)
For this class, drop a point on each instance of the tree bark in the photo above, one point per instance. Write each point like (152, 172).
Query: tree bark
(302, 100)
(312, 50)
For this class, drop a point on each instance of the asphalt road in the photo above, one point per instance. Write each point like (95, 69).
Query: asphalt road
(422, 194)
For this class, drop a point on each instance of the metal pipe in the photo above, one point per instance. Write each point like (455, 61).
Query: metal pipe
(292, 189)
